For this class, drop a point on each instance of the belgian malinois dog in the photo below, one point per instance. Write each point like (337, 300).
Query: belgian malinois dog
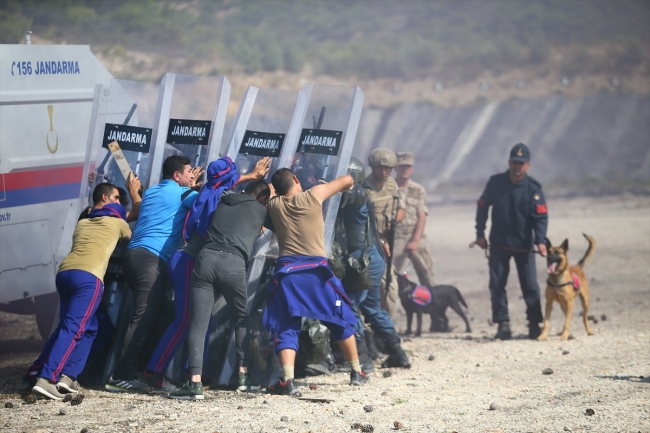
(564, 283)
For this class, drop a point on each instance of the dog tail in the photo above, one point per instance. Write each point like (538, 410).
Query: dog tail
(590, 251)
(460, 299)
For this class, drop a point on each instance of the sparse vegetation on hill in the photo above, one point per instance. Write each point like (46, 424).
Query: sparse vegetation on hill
(456, 40)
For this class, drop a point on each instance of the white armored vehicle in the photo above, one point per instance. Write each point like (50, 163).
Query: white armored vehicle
(46, 100)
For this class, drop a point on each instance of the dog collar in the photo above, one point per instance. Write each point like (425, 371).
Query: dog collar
(558, 285)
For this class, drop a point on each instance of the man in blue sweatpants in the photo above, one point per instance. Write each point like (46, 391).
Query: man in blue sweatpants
(80, 286)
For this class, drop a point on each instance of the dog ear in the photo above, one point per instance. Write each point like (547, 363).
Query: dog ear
(565, 245)
(548, 243)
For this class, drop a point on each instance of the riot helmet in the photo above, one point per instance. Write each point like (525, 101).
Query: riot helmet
(356, 170)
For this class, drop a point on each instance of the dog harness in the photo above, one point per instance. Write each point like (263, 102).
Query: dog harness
(575, 280)
(421, 296)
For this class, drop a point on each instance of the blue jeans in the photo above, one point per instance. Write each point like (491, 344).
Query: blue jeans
(368, 301)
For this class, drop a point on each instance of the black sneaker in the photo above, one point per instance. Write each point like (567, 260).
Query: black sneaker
(189, 391)
(533, 330)
(285, 388)
(31, 377)
(358, 378)
(503, 332)
(118, 385)
(157, 381)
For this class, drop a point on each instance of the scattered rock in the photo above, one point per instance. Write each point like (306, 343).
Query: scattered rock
(63, 411)
(431, 357)
(367, 408)
(493, 406)
(265, 402)
(398, 425)
(603, 317)
(385, 393)
(84, 430)
(567, 429)
(368, 428)
(356, 426)
(9, 405)
(284, 418)
(589, 412)
(30, 399)
(343, 411)
(313, 386)
(478, 365)
(565, 352)
(240, 407)
(67, 398)
(77, 399)
(388, 373)
(547, 371)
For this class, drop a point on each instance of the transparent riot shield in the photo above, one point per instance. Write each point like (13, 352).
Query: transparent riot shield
(267, 123)
(323, 150)
(119, 141)
(190, 120)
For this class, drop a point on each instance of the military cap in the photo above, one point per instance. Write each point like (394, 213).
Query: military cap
(404, 158)
(382, 157)
(520, 153)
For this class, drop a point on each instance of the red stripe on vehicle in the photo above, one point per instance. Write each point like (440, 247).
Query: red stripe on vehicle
(46, 177)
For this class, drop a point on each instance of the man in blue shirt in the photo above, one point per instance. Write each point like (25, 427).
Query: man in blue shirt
(155, 238)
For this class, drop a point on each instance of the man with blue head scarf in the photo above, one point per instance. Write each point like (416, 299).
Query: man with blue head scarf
(222, 175)
(79, 282)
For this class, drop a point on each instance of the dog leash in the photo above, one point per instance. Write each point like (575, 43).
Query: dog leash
(487, 253)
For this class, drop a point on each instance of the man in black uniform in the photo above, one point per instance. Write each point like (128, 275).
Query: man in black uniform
(518, 210)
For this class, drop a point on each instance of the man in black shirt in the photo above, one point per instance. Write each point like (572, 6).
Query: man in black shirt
(221, 268)
(518, 211)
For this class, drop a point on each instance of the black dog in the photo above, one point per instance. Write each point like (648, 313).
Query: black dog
(442, 296)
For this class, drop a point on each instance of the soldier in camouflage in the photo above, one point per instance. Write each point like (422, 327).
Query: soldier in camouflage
(410, 240)
(382, 190)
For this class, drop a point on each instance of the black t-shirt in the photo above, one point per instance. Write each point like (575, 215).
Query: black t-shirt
(235, 225)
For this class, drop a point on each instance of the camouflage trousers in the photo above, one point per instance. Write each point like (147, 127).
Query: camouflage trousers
(421, 259)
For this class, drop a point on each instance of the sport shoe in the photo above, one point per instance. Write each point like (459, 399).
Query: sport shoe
(31, 377)
(117, 385)
(285, 388)
(67, 384)
(358, 378)
(156, 381)
(248, 383)
(503, 332)
(189, 391)
(47, 389)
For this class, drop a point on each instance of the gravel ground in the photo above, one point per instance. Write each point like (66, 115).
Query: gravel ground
(456, 378)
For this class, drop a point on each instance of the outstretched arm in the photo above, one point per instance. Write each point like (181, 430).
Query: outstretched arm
(327, 190)
(261, 169)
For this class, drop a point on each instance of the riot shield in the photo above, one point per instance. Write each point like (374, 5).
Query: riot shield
(323, 150)
(190, 120)
(119, 140)
(267, 123)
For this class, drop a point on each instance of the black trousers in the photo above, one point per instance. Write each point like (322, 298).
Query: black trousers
(499, 263)
(146, 275)
(217, 272)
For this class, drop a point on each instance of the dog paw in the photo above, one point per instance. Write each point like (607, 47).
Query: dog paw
(564, 337)
(541, 338)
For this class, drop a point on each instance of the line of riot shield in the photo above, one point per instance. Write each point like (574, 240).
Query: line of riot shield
(123, 113)
(267, 124)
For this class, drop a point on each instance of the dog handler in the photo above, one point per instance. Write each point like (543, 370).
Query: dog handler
(303, 284)
(80, 286)
(519, 220)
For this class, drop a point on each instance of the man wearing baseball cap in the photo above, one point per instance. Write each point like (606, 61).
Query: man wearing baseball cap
(410, 240)
(519, 222)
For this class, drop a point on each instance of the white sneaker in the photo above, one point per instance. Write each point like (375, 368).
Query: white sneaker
(47, 389)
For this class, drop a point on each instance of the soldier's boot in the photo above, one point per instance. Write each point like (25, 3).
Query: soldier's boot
(396, 356)
(340, 362)
(370, 344)
(364, 356)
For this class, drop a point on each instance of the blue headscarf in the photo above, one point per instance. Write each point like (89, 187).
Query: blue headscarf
(222, 176)
(111, 210)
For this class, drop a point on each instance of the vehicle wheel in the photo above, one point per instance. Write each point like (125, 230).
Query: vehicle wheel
(46, 311)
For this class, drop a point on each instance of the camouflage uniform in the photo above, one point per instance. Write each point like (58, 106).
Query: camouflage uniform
(382, 200)
(414, 196)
